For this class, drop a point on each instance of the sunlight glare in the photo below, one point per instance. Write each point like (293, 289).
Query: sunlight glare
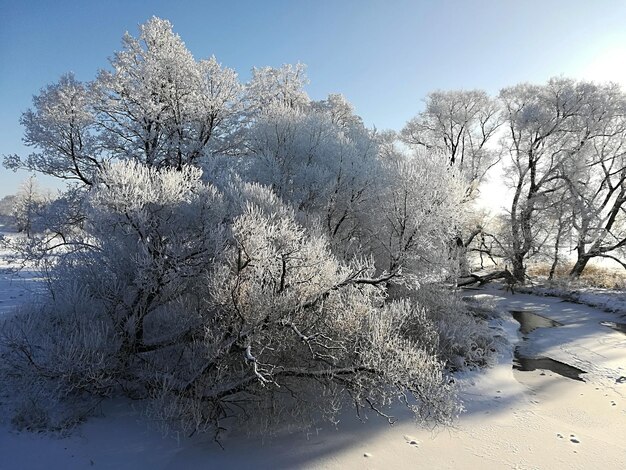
(609, 65)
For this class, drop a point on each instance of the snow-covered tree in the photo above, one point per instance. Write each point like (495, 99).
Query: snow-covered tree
(461, 125)
(324, 168)
(217, 112)
(596, 178)
(156, 105)
(416, 215)
(539, 142)
(230, 251)
(341, 112)
(6, 205)
(555, 136)
(282, 86)
(161, 107)
(61, 128)
(28, 206)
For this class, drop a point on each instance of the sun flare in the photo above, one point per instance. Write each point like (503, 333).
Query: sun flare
(607, 66)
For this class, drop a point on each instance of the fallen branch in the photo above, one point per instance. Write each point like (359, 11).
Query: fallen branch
(481, 280)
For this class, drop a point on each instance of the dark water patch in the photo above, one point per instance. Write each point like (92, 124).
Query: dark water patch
(526, 364)
(621, 327)
(530, 321)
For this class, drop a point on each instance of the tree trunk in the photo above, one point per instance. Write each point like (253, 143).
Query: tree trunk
(460, 256)
(555, 261)
(579, 267)
(519, 270)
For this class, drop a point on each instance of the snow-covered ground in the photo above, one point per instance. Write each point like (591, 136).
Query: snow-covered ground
(513, 419)
(611, 300)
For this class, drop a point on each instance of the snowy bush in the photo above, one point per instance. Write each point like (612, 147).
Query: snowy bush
(214, 305)
(463, 336)
(57, 361)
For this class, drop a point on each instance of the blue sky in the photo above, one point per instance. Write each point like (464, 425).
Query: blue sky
(384, 56)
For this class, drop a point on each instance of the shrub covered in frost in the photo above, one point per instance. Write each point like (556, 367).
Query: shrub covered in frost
(463, 338)
(215, 304)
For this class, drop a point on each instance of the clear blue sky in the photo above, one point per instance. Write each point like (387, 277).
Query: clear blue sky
(384, 56)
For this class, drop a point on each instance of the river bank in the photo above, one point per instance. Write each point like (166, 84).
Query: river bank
(514, 419)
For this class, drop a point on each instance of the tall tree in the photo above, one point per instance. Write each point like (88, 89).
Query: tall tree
(159, 106)
(61, 128)
(156, 105)
(323, 168)
(596, 181)
(282, 86)
(416, 213)
(545, 134)
(460, 125)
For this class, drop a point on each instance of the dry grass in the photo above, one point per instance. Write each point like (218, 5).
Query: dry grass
(593, 276)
